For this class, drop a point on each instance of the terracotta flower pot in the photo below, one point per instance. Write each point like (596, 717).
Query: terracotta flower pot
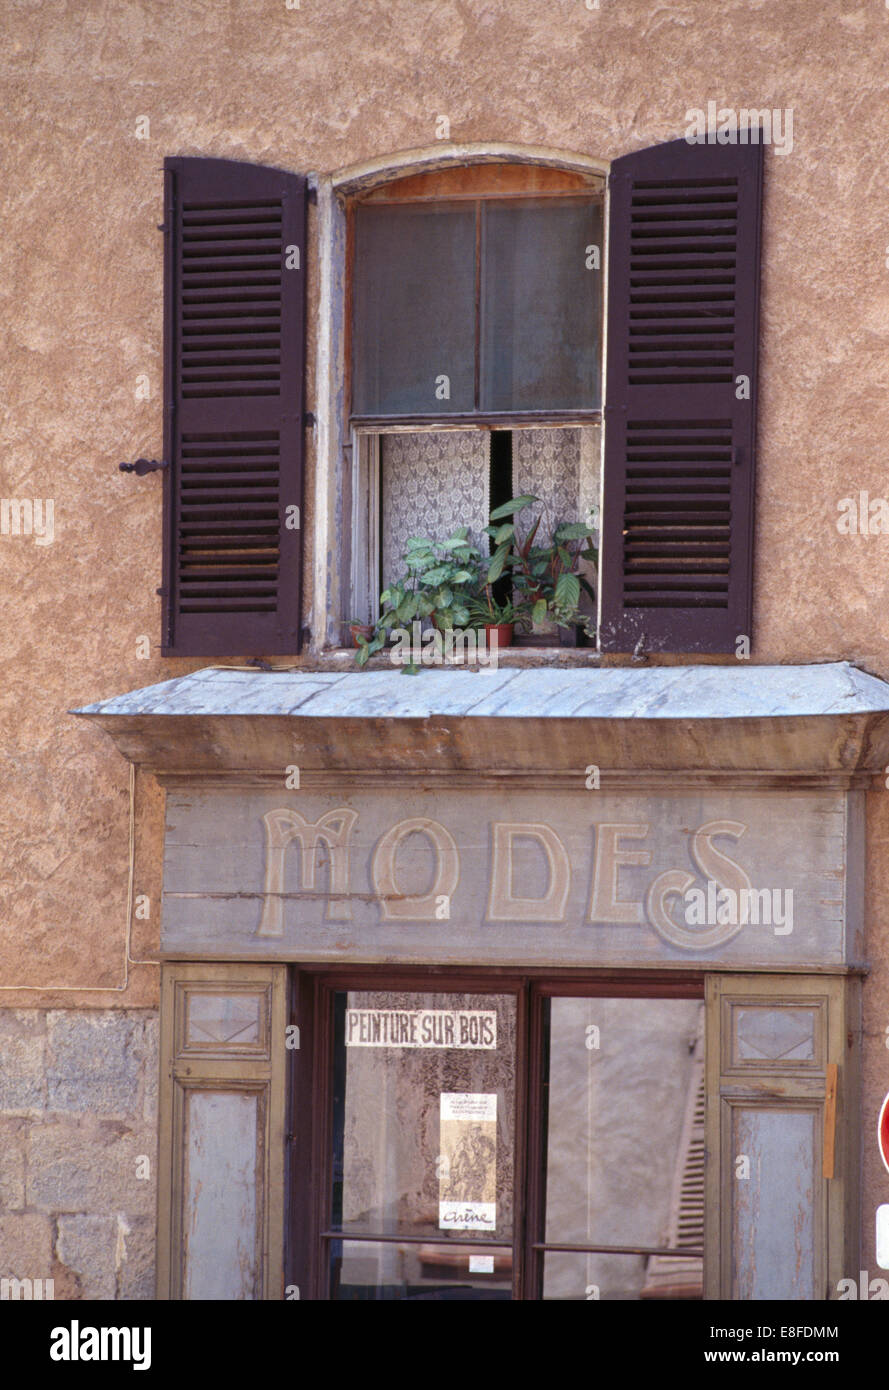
(504, 633)
(364, 630)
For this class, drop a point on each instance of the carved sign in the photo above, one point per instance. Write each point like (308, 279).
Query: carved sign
(562, 877)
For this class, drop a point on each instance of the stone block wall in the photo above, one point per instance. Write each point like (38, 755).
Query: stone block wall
(78, 1150)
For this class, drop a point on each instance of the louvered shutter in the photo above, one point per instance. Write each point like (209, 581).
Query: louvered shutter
(680, 403)
(234, 369)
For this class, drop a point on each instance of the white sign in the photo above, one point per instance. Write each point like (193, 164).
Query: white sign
(470, 1029)
(468, 1181)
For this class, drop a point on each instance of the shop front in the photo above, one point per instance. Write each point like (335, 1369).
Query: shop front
(510, 984)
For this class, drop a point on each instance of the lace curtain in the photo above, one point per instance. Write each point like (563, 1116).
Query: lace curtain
(432, 483)
(561, 467)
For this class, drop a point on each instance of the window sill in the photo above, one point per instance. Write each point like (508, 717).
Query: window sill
(341, 658)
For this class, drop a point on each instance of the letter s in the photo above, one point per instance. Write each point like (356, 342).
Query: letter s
(712, 864)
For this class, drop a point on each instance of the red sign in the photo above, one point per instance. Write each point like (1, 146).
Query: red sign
(883, 1132)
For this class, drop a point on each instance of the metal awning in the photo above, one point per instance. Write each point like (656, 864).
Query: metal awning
(819, 720)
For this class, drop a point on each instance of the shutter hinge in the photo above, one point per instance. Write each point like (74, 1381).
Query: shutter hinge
(306, 633)
(311, 194)
(143, 466)
(309, 419)
(162, 593)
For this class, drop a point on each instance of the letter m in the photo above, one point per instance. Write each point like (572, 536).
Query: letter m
(16, 516)
(333, 831)
(16, 1288)
(756, 123)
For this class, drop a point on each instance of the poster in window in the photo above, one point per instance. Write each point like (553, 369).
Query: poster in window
(468, 1170)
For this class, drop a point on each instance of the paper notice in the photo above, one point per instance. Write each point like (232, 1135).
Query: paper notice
(468, 1175)
(467, 1029)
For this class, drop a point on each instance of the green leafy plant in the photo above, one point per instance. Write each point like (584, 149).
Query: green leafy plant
(485, 610)
(544, 576)
(439, 581)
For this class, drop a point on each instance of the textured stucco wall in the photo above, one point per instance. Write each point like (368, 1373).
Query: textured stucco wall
(319, 87)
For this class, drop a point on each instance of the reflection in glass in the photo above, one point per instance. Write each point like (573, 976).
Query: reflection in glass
(383, 1270)
(572, 1277)
(625, 1141)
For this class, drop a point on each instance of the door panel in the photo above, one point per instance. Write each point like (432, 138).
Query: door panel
(783, 1162)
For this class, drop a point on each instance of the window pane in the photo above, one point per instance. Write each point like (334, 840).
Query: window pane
(594, 1276)
(388, 1270)
(540, 306)
(424, 1098)
(414, 318)
(625, 1123)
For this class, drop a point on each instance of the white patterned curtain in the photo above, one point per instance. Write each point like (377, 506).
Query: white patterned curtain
(432, 483)
(561, 467)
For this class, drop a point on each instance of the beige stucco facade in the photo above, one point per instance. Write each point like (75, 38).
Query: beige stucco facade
(94, 97)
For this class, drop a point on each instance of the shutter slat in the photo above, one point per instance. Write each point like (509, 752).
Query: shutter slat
(682, 329)
(234, 393)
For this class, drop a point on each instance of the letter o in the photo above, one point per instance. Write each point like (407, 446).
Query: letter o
(394, 905)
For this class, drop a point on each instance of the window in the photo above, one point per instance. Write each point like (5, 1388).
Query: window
(481, 306)
(491, 1139)
(477, 304)
(482, 1135)
(476, 299)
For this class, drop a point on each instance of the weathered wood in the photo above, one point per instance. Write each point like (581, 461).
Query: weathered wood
(775, 1218)
(222, 1152)
(588, 878)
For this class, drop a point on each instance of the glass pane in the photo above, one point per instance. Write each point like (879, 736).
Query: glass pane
(540, 305)
(587, 1277)
(414, 326)
(774, 1035)
(424, 1099)
(625, 1123)
(377, 1270)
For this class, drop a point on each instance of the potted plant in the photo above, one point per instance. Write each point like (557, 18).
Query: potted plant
(545, 576)
(496, 616)
(440, 579)
(360, 631)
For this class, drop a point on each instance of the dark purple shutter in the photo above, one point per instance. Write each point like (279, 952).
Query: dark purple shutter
(234, 371)
(683, 294)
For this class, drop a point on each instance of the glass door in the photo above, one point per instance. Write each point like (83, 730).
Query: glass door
(423, 1165)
